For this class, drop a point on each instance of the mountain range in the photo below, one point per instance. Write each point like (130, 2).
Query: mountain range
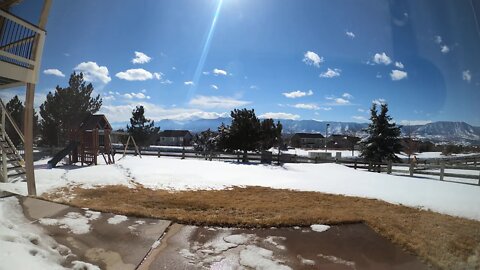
(441, 131)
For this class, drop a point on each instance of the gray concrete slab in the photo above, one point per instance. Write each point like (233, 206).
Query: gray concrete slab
(36, 209)
(103, 239)
(353, 246)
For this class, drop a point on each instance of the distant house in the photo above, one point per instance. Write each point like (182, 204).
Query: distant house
(338, 141)
(175, 138)
(307, 140)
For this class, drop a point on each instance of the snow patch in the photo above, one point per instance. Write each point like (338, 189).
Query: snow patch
(319, 227)
(75, 222)
(237, 239)
(273, 240)
(305, 261)
(337, 260)
(156, 244)
(79, 265)
(117, 219)
(260, 258)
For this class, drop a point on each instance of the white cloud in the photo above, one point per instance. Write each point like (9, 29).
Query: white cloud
(330, 73)
(378, 76)
(136, 95)
(136, 74)
(311, 58)
(141, 58)
(280, 115)
(206, 72)
(219, 72)
(338, 101)
(217, 102)
(93, 72)
(382, 58)
(444, 49)
(359, 118)
(438, 39)
(379, 101)
(305, 106)
(121, 113)
(397, 75)
(399, 65)
(158, 75)
(466, 75)
(347, 96)
(350, 34)
(166, 81)
(414, 122)
(341, 101)
(297, 94)
(361, 110)
(54, 72)
(253, 87)
(213, 86)
(188, 83)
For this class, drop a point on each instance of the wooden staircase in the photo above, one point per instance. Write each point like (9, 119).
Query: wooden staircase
(12, 164)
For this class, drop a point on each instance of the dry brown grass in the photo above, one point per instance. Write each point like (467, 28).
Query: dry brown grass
(444, 241)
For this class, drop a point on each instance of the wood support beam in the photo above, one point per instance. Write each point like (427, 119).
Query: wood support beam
(28, 133)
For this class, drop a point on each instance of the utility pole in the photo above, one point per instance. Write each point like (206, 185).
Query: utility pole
(326, 134)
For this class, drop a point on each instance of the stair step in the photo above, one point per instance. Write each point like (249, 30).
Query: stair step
(15, 168)
(17, 174)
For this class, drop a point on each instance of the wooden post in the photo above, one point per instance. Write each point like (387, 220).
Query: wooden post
(411, 169)
(238, 157)
(28, 129)
(158, 152)
(183, 153)
(389, 167)
(126, 146)
(4, 154)
(442, 171)
(355, 164)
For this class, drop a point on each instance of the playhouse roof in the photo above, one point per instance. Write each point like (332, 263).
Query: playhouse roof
(95, 121)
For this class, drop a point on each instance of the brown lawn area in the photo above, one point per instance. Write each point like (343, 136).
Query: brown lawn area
(442, 241)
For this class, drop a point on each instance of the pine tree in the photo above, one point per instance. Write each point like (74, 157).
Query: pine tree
(270, 134)
(382, 143)
(143, 130)
(15, 108)
(66, 108)
(243, 134)
(205, 142)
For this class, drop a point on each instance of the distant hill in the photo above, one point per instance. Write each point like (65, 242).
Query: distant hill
(442, 131)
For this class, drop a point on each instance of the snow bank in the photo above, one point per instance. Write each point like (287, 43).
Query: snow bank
(25, 246)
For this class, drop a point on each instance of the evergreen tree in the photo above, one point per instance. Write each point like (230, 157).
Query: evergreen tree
(383, 141)
(270, 134)
(143, 130)
(16, 109)
(205, 142)
(66, 108)
(243, 134)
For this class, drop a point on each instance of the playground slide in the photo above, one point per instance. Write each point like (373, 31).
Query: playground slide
(53, 162)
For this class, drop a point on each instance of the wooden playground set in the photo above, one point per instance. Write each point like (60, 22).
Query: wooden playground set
(87, 141)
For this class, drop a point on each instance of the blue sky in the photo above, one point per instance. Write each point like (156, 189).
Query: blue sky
(324, 60)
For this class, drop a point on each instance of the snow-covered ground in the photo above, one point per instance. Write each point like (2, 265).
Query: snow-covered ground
(177, 174)
(24, 245)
